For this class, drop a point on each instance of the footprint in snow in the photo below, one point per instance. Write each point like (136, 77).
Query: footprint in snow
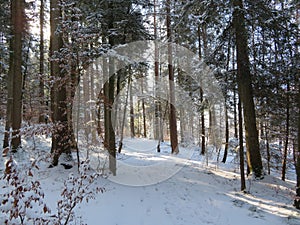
(167, 211)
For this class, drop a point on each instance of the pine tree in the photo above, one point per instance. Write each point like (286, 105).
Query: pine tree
(245, 90)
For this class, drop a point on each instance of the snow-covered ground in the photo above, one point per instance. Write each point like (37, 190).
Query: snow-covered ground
(156, 188)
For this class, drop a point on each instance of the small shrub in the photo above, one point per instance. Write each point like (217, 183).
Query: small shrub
(23, 200)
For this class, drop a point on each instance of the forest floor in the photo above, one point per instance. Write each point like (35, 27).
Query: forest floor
(156, 188)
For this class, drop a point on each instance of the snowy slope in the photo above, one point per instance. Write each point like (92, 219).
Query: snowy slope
(196, 193)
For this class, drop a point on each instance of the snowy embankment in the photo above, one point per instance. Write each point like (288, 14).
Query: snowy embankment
(196, 193)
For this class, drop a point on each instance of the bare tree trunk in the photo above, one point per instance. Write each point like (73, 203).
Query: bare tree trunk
(226, 135)
(226, 109)
(203, 144)
(212, 126)
(42, 116)
(62, 92)
(245, 90)
(9, 104)
(182, 122)
(157, 122)
(124, 117)
(106, 102)
(93, 116)
(235, 119)
(298, 150)
(287, 132)
(172, 117)
(111, 132)
(109, 94)
(86, 98)
(268, 149)
(131, 111)
(241, 148)
(143, 111)
(15, 78)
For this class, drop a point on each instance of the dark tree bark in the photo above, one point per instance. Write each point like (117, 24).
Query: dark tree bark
(109, 93)
(245, 90)
(201, 93)
(297, 156)
(202, 124)
(235, 117)
(143, 111)
(93, 116)
(172, 116)
(226, 136)
(111, 132)
(298, 150)
(15, 77)
(131, 111)
(158, 120)
(42, 116)
(241, 147)
(86, 98)
(226, 109)
(124, 117)
(268, 149)
(287, 132)
(62, 92)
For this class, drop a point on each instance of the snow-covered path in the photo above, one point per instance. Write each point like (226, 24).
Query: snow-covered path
(195, 194)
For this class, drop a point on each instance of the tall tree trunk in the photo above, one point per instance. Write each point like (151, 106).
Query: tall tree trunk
(182, 123)
(226, 109)
(245, 90)
(143, 111)
(212, 126)
(287, 131)
(268, 149)
(131, 111)
(297, 152)
(63, 138)
(203, 144)
(172, 116)
(157, 122)
(201, 98)
(86, 99)
(42, 116)
(124, 117)
(93, 116)
(15, 78)
(235, 119)
(9, 103)
(111, 132)
(226, 135)
(109, 92)
(241, 148)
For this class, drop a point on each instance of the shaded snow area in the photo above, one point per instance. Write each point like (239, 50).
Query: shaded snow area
(157, 188)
